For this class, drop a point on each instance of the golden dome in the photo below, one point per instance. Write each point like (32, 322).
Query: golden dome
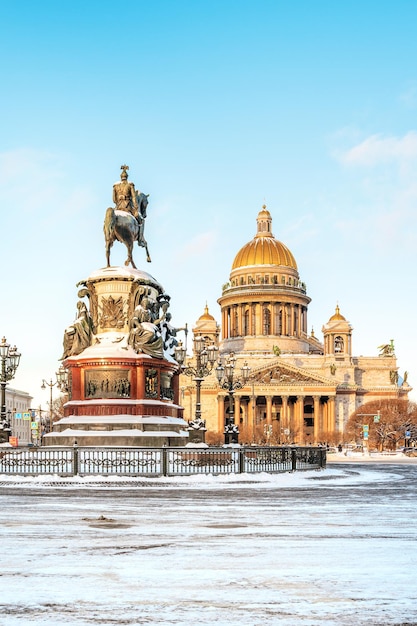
(337, 316)
(206, 316)
(264, 249)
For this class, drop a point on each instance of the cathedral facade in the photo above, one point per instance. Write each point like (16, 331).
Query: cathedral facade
(300, 390)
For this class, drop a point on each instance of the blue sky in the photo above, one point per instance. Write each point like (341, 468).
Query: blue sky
(217, 107)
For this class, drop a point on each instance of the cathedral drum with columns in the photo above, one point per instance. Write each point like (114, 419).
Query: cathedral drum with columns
(300, 390)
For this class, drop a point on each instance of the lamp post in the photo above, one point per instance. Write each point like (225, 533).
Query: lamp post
(63, 385)
(62, 378)
(205, 358)
(10, 359)
(51, 385)
(226, 376)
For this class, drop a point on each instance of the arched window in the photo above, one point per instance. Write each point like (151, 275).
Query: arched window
(338, 344)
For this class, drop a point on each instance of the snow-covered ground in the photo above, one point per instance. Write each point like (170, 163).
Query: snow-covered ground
(349, 456)
(333, 547)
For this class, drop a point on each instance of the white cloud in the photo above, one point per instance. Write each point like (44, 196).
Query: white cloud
(409, 96)
(37, 184)
(376, 150)
(200, 244)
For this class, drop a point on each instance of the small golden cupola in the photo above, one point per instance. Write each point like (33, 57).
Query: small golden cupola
(207, 327)
(337, 336)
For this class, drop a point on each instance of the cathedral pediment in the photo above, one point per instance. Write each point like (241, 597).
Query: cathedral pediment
(278, 373)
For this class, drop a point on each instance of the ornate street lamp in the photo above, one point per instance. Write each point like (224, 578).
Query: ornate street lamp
(205, 359)
(226, 376)
(63, 385)
(63, 379)
(44, 385)
(10, 359)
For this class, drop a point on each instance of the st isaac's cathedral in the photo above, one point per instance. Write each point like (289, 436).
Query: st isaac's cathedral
(300, 390)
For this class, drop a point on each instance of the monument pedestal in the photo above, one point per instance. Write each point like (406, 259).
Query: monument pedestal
(124, 385)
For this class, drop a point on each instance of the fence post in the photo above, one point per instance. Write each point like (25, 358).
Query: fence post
(75, 458)
(164, 461)
(323, 458)
(241, 460)
(293, 459)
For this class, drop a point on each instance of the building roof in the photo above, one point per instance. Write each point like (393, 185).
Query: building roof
(337, 316)
(264, 249)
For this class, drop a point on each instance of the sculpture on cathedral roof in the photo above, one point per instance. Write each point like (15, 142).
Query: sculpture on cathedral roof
(387, 349)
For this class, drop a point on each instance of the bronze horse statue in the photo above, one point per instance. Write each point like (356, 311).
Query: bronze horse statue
(124, 227)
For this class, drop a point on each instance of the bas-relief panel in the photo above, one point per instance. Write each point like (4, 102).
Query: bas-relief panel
(108, 383)
(281, 376)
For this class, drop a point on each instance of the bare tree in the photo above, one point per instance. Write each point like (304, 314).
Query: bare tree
(387, 422)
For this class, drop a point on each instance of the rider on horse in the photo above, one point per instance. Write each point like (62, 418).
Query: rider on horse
(124, 194)
(126, 222)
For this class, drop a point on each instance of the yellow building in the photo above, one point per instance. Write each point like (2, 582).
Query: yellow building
(300, 390)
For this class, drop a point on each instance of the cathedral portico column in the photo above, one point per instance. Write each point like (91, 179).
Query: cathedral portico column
(299, 417)
(245, 413)
(317, 418)
(288, 328)
(224, 324)
(235, 321)
(269, 410)
(237, 410)
(284, 416)
(325, 411)
(241, 314)
(220, 414)
(300, 320)
(331, 419)
(252, 330)
(258, 319)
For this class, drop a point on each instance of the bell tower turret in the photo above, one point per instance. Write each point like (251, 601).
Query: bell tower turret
(337, 337)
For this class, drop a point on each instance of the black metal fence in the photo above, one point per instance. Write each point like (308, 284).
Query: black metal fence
(158, 461)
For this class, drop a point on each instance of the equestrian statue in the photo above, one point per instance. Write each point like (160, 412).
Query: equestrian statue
(126, 221)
